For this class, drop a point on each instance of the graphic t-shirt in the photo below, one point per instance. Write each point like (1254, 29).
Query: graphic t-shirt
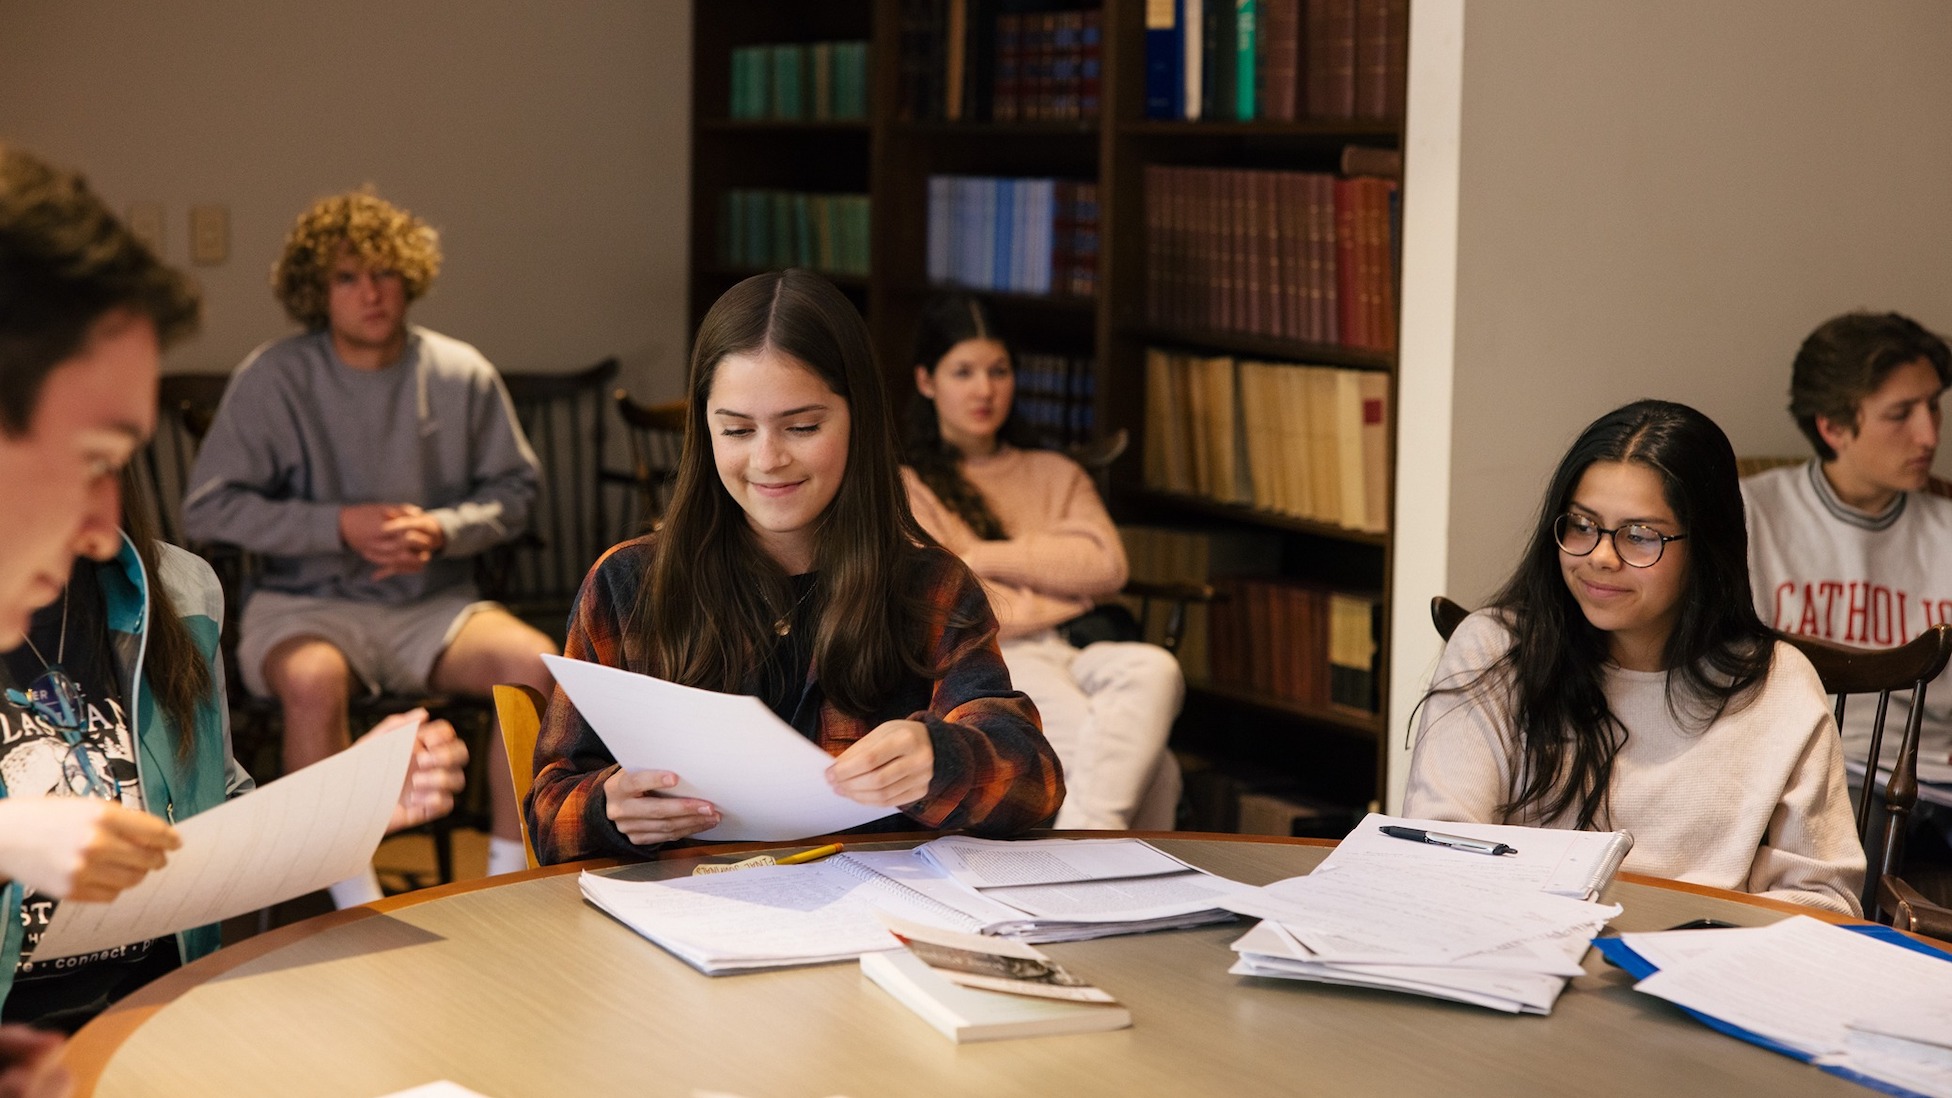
(40, 758)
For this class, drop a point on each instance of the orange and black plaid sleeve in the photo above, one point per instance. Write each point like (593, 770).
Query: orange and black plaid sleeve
(566, 807)
(995, 773)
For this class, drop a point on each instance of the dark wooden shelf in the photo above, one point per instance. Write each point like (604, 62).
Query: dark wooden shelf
(1340, 717)
(999, 130)
(1176, 502)
(736, 273)
(776, 126)
(1329, 129)
(1054, 303)
(1261, 346)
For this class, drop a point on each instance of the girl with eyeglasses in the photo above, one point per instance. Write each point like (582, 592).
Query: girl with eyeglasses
(1621, 680)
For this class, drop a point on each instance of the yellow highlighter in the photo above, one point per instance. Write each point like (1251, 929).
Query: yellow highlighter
(813, 855)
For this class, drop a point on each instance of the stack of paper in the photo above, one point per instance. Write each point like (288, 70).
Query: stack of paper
(1047, 890)
(1430, 920)
(1858, 1006)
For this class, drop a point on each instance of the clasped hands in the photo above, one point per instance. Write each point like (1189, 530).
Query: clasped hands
(888, 767)
(397, 538)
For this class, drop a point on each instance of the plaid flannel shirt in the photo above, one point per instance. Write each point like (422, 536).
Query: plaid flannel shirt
(994, 771)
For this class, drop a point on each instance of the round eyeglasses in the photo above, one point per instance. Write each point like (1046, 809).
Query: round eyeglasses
(56, 699)
(1636, 543)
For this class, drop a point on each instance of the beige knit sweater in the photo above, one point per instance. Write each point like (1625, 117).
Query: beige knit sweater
(1754, 803)
(1062, 554)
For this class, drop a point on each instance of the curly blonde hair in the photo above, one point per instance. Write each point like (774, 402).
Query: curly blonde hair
(383, 236)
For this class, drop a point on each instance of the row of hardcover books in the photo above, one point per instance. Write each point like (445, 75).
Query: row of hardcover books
(1307, 441)
(766, 229)
(1030, 236)
(1055, 397)
(970, 61)
(1297, 641)
(1295, 255)
(1239, 60)
(822, 81)
(1266, 635)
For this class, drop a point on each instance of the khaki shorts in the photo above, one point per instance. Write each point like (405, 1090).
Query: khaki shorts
(391, 647)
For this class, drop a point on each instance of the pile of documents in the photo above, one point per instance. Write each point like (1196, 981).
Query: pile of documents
(1503, 931)
(1043, 891)
(1863, 1003)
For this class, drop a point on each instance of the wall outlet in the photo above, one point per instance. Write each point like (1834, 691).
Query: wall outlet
(209, 234)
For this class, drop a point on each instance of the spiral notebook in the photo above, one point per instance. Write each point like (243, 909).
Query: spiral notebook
(1579, 864)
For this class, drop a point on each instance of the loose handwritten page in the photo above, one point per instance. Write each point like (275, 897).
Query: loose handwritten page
(1561, 861)
(295, 835)
(768, 781)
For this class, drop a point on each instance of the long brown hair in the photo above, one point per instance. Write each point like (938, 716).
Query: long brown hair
(949, 319)
(172, 666)
(706, 615)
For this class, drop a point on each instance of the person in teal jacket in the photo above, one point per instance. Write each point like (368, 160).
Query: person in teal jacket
(150, 617)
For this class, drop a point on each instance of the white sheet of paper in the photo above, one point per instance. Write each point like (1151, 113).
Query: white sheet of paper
(442, 1089)
(1799, 981)
(295, 835)
(768, 781)
(996, 863)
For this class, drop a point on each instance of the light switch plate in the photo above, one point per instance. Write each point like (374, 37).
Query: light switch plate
(209, 234)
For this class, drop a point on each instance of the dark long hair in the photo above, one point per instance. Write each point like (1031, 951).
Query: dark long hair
(706, 615)
(172, 666)
(949, 319)
(1716, 657)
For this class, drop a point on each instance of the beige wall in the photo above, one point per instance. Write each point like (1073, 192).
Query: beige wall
(1657, 198)
(1661, 199)
(548, 143)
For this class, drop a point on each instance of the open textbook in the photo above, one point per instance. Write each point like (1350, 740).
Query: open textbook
(1044, 890)
(1503, 931)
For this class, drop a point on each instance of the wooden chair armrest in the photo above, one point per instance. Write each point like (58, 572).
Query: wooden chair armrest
(1179, 592)
(1911, 911)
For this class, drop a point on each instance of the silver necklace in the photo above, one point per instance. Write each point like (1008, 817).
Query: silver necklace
(61, 648)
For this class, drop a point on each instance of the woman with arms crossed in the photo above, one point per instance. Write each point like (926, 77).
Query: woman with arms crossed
(1622, 680)
(1029, 523)
(788, 567)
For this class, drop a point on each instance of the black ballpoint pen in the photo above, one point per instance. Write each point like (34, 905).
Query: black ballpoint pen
(1455, 842)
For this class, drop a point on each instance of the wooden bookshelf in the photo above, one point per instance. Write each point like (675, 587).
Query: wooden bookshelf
(1332, 751)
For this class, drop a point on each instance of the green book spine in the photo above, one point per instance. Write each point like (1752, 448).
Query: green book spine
(1245, 33)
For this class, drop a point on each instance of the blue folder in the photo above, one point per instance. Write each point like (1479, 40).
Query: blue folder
(1617, 951)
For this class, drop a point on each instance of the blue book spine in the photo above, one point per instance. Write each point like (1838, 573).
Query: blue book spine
(1165, 48)
(1004, 250)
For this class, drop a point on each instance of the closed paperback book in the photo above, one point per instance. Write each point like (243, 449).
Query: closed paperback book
(973, 988)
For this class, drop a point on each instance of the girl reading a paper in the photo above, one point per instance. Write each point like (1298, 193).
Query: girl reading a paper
(1621, 679)
(789, 567)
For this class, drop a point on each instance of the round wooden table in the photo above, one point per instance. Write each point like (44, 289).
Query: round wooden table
(515, 987)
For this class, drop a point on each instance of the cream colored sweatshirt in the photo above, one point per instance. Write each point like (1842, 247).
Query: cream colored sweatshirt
(1062, 555)
(1754, 803)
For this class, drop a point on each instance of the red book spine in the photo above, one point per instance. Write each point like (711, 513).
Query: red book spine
(1006, 95)
(1331, 58)
(1372, 58)
(1348, 288)
(1280, 32)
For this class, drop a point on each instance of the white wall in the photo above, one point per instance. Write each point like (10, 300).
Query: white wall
(1657, 198)
(547, 142)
